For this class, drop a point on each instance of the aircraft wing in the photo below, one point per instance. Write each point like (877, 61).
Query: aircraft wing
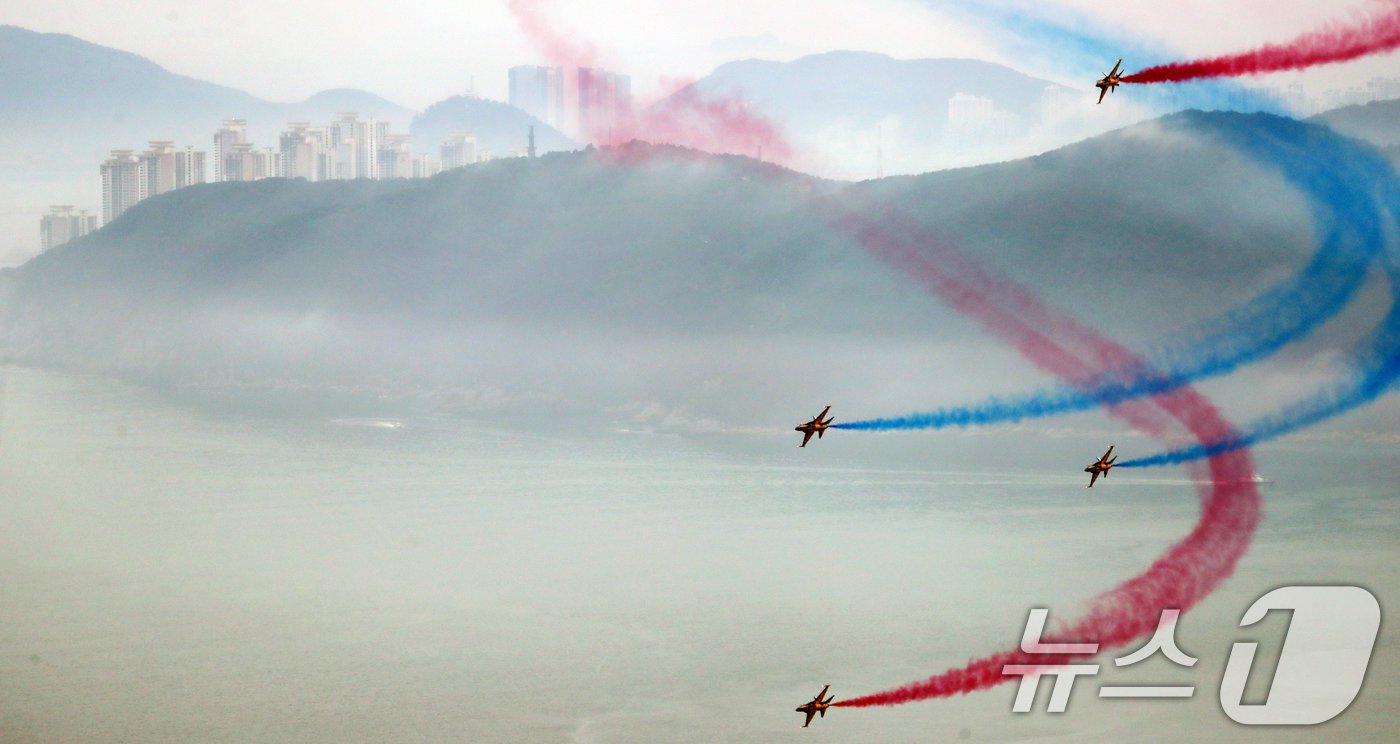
(806, 437)
(810, 715)
(1106, 454)
(1116, 65)
(823, 413)
(1103, 92)
(823, 692)
(1093, 477)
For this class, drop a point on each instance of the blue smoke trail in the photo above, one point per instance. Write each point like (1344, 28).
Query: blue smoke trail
(1335, 174)
(1375, 369)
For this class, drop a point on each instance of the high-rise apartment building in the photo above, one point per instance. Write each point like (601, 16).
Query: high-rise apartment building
(604, 101)
(247, 163)
(1384, 88)
(234, 132)
(164, 168)
(369, 137)
(237, 161)
(396, 157)
(304, 152)
(189, 167)
(265, 163)
(457, 150)
(424, 168)
(61, 225)
(343, 144)
(975, 122)
(539, 91)
(158, 169)
(121, 184)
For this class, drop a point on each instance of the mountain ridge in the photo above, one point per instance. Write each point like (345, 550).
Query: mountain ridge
(542, 277)
(1377, 122)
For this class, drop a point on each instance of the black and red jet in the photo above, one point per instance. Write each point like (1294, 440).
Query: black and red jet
(817, 705)
(815, 426)
(1102, 466)
(1110, 81)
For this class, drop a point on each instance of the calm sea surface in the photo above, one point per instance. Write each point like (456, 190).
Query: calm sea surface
(173, 573)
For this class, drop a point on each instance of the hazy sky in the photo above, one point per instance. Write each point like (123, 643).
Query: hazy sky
(419, 52)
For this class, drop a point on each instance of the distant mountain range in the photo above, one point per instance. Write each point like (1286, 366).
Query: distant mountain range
(577, 277)
(834, 102)
(79, 100)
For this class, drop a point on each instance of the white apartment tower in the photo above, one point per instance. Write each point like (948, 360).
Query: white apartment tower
(539, 91)
(343, 146)
(234, 132)
(121, 184)
(975, 122)
(396, 157)
(61, 225)
(189, 167)
(158, 170)
(304, 152)
(369, 139)
(457, 150)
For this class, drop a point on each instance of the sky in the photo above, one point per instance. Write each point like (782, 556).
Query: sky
(416, 53)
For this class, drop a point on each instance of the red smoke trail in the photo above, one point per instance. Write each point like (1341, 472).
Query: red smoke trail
(558, 49)
(1181, 577)
(718, 125)
(1378, 32)
(686, 117)
(1230, 502)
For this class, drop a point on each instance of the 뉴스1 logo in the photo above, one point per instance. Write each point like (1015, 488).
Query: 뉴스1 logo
(1321, 667)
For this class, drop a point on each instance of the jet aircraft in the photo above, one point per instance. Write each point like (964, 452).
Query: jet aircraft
(1101, 466)
(816, 706)
(1110, 81)
(815, 426)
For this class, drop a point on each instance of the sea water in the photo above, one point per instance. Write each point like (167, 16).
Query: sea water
(184, 573)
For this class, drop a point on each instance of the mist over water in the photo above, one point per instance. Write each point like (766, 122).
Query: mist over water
(174, 572)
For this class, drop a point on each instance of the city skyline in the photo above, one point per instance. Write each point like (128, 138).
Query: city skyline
(346, 148)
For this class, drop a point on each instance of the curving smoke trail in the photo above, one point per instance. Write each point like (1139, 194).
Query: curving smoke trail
(686, 117)
(1337, 175)
(1230, 508)
(1337, 42)
(1375, 367)
(1182, 576)
(1190, 569)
